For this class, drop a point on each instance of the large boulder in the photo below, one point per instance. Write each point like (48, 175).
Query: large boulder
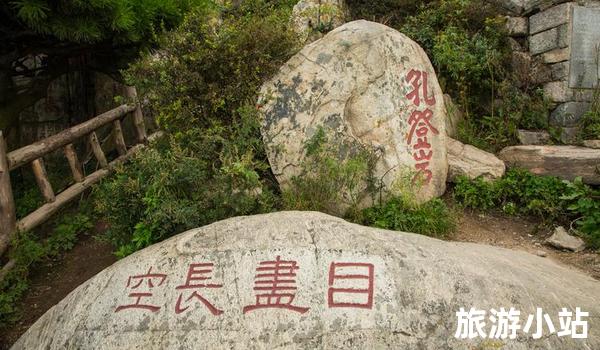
(340, 285)
(566, 162)
(366, 83)
(470, 161)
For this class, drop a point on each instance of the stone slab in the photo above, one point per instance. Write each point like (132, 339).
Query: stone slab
(552, 17)
(527, 137)
(565, 162)
(585, 47)
(544, 41)
(558, 91)
(558, 55)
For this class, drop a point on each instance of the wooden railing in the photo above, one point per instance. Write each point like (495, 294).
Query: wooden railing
(34, 153)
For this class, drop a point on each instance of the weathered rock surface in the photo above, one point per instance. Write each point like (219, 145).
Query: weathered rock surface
(366, 83)
(414, 287)
(566, 162)
(527, 137)
(561, 239)
(472, 162)
(311, 16)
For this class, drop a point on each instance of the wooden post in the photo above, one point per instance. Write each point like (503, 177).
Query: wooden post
(119, 139)
(138, 117)
(7, 205)
(97, 149)
(74, 164)
(41, 177)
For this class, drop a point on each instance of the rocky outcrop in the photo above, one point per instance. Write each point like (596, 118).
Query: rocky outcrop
(469, 161)
(366, 84)
(199, 290)
(566, 162)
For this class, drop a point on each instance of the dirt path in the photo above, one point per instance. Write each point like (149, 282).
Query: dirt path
(520, 234)
(55, 280)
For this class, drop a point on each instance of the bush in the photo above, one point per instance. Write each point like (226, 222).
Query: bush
(590, 122)
(328, 183)
(544, 197)
(518, 190)
(202, 86)
(214, 64)
(167, 190)
(585, 205)
(432, 218)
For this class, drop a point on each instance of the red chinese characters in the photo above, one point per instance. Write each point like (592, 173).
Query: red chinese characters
(137, 281)
(420, 124)
(275, 285)
(418, 80)
(351, 285)
(196, 279)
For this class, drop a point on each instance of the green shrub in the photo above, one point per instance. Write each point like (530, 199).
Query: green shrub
(590, 122)
(214, 64)
(27, 250)
(432, 218)
(328, 183)
(202, 86)
(519, 191)
(585, 205)
(167, 190)
(390, 12)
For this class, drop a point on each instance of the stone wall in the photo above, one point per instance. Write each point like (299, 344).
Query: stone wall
(556, 47)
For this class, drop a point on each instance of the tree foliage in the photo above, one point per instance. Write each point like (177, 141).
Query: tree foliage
(41, 39)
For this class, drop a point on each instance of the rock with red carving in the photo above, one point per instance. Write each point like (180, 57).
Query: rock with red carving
(367, 86)
(306, 280)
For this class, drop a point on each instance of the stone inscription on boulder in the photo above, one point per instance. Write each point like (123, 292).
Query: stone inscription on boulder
(305, 280)
(367, 83)
(585, 48)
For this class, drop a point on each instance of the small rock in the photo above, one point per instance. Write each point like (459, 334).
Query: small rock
(592, 144)
(527, 137)
(541, 253)
(562, 240)
(472, 162)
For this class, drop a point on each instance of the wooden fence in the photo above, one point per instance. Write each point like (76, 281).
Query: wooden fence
(35, 152)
